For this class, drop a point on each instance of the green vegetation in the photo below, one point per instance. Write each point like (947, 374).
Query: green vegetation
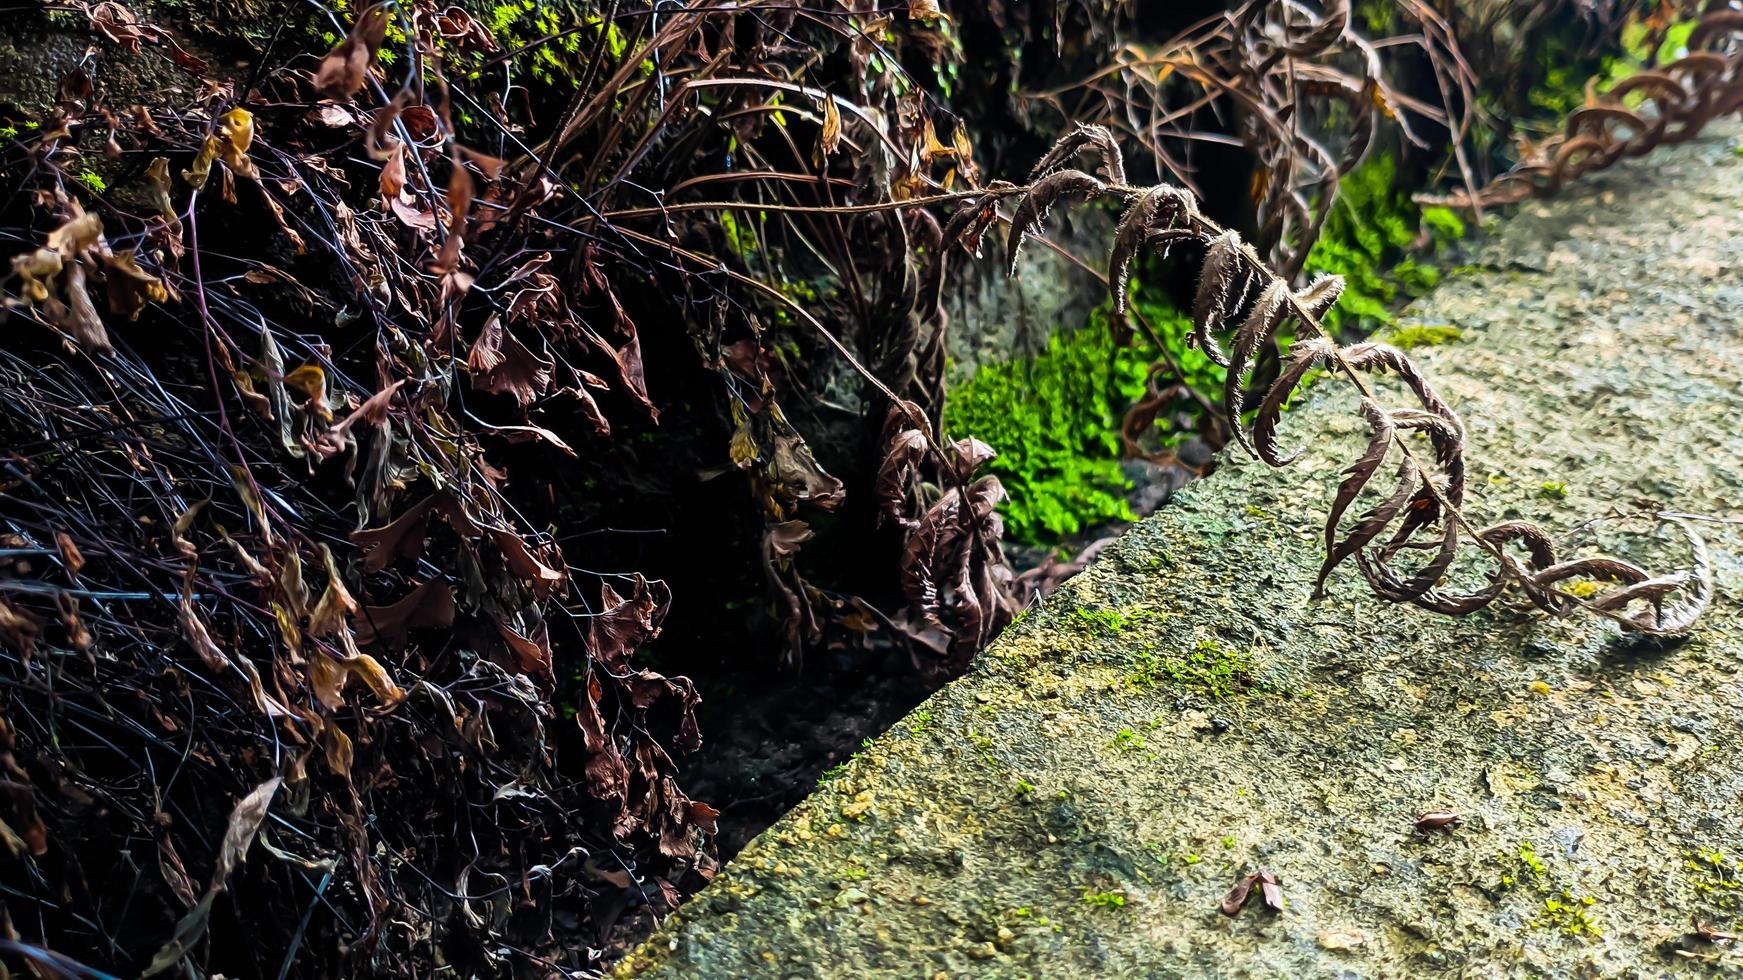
(1054, 417)
(1521, 867)
(840, 769)
(519, 23)
(1054, 420)
(1570, 915)
(1112, 622)
(833, 773)
(1104, 899)
(1566, 75)
(1126, 740)
(1364, 240)
(1717, 880)
(1217, 670)
(1423, 335)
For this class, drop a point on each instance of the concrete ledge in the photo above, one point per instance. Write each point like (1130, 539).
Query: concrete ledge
(1181, 714)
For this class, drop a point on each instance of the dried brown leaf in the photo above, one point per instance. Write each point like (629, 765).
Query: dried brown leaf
(1062, 186)
(1160, 208)
(345, 68)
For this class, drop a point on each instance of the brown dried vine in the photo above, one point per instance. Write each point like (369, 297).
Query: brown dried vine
(1239, 295)
(1660, 106)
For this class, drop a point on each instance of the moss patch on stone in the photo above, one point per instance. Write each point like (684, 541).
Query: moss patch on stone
(1053, 418)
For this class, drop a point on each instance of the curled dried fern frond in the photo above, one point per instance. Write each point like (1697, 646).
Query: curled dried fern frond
(1098, 138)
(953, 569)
(1222, 282)
(1666, 105)
(1422, 514)
(1154, 216)
(1060, 186)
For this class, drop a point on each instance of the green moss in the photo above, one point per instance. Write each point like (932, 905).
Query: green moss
(1566, 75)
(983, 744)
(740, 236)
(1112, 622)
(1444, 223)
(1054, 417)
(1521, 867)
(1209, 667)
(1104, 899)
(1570, 915)
(1364, 240)
(1054, 420)
(840, 769)
(1552, 490)
(1378, 15)
(1717, 881)
(1423, 335)
(1127, 740)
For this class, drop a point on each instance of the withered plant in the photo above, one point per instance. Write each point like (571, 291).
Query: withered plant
(317, 657)
(1660, 105)
(1239, 295)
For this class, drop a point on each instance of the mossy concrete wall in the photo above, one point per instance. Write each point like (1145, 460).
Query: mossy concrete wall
(1182, 714)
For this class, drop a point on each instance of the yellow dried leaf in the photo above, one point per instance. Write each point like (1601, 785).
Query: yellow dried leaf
(311, 380)
(237, 129)
(743, 448)
(130, 287)
(336, 603)
(338, 749)
(1380, 101)
(179, 533)
(76, 235)
(35, 271)
(328, 676)
(1261, 183)
(831, 136)
(934, 149)
(964, 149)
(201, 169)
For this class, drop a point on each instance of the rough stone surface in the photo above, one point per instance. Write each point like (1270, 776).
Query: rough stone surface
(1079, 804)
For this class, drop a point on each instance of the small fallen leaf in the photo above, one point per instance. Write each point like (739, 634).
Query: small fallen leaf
(1437, 820)
(70, 556)
(346, 67)
(830, 138)
(1709, 933)
(1271, 893)
(311, 380)
(1237, 897)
